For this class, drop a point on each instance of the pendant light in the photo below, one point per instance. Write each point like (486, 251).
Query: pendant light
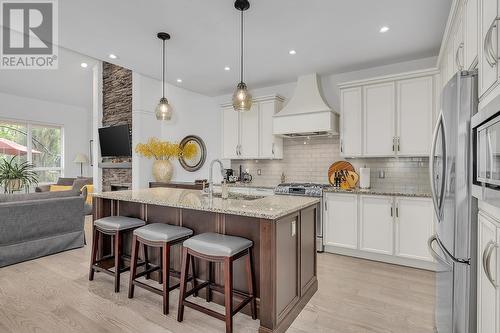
(164, 110)
(242, 100)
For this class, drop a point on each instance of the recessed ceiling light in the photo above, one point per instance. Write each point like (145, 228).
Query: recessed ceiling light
(384, 29)
(84, 65)
(227, 68)
(113, 56)
(292, 52)
(179, 80)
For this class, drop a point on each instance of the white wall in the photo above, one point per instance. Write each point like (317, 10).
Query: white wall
(329, 83)
(193, 114)
(75, 120)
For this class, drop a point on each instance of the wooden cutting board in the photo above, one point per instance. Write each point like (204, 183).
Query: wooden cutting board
(338, 166)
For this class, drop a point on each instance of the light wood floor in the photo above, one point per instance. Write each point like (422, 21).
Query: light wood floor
(53, 294)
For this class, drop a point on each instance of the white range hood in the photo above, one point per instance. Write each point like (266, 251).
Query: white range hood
(307, 113)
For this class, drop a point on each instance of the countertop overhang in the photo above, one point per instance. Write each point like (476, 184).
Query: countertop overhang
(271, 207)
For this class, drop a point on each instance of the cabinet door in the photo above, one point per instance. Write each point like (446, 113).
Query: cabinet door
(249, 132)
(379, 105)
(230, 133)
(415, 106)
(271, 146)
(341, 220)
(470, 31)
(351, 132)
(414, 226)
(487, 67)
(376, 224)
(486, 293)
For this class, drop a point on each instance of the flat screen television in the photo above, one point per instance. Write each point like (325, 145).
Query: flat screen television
(115, 141)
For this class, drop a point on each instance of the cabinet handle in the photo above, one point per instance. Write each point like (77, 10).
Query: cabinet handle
(457, 57)
(272, 149)
(294, 228)
(341, 146)
(393, 143)
(397, 140)
(487, 261)
(326, 207)
(397, 211)
(236, 149)
(392, 211)
(491, 51)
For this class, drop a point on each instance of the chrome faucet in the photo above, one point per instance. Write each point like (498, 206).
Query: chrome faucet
(211, 178)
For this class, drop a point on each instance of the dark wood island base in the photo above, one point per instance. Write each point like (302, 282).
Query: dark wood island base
(284, 253)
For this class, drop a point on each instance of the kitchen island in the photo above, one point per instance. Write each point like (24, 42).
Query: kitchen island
(282, 229)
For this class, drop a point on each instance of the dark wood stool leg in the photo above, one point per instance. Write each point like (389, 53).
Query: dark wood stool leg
(251, 283)
(146, 259)
(183, 282)
(133, 266)
(193, 272)
(166, 276)
(228, 293)
(93, 255)
(118, 254)
(160, 272)
(208, 295)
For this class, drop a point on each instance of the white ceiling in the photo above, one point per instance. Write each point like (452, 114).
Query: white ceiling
(330, 36)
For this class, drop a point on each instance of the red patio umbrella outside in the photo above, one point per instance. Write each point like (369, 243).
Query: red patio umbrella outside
(9, 147)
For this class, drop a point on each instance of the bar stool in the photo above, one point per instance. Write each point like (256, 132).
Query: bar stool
(164, 236)
(214, 247)
(113, 226)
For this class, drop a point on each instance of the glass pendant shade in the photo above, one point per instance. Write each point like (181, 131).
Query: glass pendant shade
(164, 110)
(242, 99)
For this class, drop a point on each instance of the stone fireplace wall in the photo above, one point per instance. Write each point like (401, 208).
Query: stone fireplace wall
(117, 110)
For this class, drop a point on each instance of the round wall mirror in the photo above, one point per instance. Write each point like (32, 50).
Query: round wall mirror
(196, 162)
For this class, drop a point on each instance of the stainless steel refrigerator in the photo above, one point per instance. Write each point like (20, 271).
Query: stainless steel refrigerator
(454, 243)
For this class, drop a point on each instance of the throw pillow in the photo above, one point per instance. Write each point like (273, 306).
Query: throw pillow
(58, 188)
(90, 189)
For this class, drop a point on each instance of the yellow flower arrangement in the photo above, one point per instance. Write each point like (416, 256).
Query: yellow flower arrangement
(164, 150)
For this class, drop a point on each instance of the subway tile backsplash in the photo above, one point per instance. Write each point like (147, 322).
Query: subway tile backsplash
(308, 160)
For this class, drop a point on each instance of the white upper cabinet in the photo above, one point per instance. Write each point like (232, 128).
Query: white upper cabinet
(487, 293)
(415, 99)
(414, 225)
(230, 133)
(389, 116)
(378, 117)
(488, 60)
(341, 220)
(271, 146)
(249, 134)
(352, 108)
(471, 32)
(376, 224)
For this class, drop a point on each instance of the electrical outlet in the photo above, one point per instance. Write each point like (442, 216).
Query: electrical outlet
(259, 172)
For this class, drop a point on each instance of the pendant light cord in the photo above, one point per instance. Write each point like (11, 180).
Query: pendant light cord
(163, 67)
(241, 64)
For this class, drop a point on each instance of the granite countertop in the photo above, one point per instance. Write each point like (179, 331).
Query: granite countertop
(251, 185)
(271, 207)
(399, 190)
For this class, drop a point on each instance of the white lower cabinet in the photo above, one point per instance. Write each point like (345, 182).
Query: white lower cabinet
(340, 212)
(414, 225)
(376, 224)
(487, 293)
(383, 228)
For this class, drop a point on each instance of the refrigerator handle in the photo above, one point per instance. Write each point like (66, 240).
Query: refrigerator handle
(451, 256)
(438, 202)
(433, 253)
(490, 247)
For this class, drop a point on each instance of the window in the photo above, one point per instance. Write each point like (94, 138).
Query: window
(39, 144)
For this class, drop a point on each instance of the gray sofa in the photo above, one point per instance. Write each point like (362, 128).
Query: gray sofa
(39, 224)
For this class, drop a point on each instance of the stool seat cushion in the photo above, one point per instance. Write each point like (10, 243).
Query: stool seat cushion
(118, 223)
(218, 245)
(161, 232)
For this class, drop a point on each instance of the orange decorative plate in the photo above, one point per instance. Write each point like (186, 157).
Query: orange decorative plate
(339, 166)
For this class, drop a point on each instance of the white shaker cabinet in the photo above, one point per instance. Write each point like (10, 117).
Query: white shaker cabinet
(230, 133)
(488, 50)
(351, 118)
(378, 124)
(414, 221)
(415, 102)
(341, 220)
(376, 224)
(487, 293)
(249, 134)
(470, 33)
